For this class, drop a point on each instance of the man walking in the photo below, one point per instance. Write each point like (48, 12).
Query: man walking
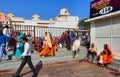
(6, 32)
(3, 40)
(26, 58)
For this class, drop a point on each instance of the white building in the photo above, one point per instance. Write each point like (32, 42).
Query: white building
(105, 29)
(63, 22)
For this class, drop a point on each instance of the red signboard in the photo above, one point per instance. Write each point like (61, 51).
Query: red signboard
(102, 7)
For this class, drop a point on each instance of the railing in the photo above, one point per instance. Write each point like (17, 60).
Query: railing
(38, 31)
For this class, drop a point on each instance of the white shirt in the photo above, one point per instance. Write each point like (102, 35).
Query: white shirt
(5, 32)
(27, 49)
(76, 45)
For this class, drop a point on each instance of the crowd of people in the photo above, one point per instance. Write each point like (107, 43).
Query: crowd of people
(23, 44)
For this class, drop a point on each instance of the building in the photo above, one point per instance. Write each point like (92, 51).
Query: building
(4, 19)
(35, 26)
(105, 24)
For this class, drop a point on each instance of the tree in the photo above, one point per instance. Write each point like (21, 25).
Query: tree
(84, 25)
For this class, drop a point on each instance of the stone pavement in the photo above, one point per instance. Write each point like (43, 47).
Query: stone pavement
(62, 56)
(74, 68)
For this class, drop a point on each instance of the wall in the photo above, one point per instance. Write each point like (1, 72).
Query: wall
(107, 31)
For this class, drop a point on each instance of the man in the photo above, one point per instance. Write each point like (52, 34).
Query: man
(26, 58)
(76, 46)
(3, 40)
(6, 32)
(92, 51)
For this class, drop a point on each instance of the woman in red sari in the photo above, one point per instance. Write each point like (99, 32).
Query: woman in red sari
(106, 55)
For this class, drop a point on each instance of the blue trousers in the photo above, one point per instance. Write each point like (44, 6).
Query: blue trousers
(3, 51)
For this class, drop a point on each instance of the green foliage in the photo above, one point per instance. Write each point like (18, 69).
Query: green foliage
(84, 25)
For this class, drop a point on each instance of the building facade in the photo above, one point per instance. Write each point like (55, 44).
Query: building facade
(64, 21)
(105, 28)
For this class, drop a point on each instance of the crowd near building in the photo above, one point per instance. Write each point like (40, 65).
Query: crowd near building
(105, 24)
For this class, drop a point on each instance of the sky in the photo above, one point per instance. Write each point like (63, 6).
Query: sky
(46, 9)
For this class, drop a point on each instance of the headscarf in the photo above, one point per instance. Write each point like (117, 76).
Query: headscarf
(48, 40)
(108, 50)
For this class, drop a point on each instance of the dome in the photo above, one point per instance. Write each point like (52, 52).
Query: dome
(64, 11)
(35, 17)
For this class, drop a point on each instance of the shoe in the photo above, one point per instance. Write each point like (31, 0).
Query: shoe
(16, 75)
(34, 75)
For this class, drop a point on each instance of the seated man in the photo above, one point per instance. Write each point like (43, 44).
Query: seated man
(92, 51)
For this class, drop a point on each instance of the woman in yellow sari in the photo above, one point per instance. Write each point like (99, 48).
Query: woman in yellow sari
(47, 50)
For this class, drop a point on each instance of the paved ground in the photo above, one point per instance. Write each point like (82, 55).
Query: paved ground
(67, 69)
(61, 65)
(61, 55)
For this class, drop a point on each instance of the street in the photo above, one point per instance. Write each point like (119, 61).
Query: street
(67, 69)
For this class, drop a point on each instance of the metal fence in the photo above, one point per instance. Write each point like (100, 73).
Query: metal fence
(38, 31)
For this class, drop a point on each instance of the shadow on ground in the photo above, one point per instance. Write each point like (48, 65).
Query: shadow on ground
(38, 67)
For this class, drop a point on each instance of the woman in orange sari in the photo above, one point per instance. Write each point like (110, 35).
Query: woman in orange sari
(106, 55)
(47, 50)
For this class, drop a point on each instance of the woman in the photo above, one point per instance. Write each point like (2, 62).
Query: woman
(19, 49)
(106, 55)
(19, 46)
(47, 50)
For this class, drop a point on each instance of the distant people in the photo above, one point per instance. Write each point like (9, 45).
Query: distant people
(92, 51)
(54, 46)
(3, 40)
(72, 36)
(41, 41)
(26, 58)
(6, 32)
(38, 44)
(13, 41)
(67, 39)
(50, 35)
(88, 41)
(105, 57)
(76, 46)
(62, 38)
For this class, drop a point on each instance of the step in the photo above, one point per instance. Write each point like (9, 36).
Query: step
(115, 65)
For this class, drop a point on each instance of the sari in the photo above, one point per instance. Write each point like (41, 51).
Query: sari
(47, 50)
(108, 55)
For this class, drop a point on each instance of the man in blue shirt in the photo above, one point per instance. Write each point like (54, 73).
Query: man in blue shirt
(3, 40)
